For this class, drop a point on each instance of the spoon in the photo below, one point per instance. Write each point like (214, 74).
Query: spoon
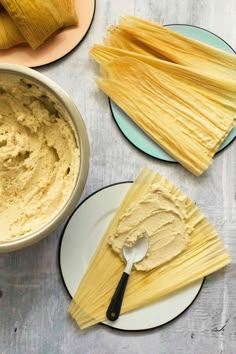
(133, 253)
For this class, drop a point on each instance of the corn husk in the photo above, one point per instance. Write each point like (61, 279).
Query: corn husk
(37, 20)
(175, 47)
(188, 113)
(10, 36)
(205, 254)
(68, 12)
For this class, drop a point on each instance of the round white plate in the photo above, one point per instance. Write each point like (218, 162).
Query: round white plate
(79, 240)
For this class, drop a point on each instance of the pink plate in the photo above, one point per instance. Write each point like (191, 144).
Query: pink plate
(58, 45)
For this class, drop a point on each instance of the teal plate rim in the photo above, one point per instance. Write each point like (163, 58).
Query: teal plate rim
(169, 158)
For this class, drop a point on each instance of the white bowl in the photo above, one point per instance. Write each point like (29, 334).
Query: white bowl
(82, 138)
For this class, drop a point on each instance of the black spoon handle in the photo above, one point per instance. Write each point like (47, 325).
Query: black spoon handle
(113, 310)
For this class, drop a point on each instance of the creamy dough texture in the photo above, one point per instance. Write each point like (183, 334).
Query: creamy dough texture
(163, 217)
(39, 158)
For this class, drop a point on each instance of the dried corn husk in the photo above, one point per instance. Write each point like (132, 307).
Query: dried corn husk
(185, 112)
(204, 254)
(68, 12)
(175, 47)
(37, 20)
(10, 36)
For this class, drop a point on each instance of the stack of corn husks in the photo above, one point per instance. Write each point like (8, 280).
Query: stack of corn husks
(179, 91)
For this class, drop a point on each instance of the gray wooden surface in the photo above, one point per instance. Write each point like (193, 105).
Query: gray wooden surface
(33, 302)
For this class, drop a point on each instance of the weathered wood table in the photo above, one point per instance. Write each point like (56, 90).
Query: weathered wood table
(33, 302)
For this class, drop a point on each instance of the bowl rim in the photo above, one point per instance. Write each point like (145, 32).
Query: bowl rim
(83, 142)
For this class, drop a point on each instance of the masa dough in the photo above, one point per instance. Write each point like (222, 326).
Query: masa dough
(39, 158)
(163, 216)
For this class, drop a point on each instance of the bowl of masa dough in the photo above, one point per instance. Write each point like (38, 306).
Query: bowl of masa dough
(44, 156)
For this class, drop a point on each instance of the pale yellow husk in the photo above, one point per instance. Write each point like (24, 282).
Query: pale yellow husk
(37, 20)
(202, 81)
(188, 113)
(205, 254)
(175, 47)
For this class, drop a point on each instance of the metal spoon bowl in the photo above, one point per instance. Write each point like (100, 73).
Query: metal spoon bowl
(133, 253)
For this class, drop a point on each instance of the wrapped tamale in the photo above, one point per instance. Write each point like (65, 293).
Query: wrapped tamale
(67, 11)
(10, 36)
(37, 20)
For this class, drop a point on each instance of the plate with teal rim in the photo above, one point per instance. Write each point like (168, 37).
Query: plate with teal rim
(134, 134)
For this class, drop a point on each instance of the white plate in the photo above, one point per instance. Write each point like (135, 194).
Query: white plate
(80, 238)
